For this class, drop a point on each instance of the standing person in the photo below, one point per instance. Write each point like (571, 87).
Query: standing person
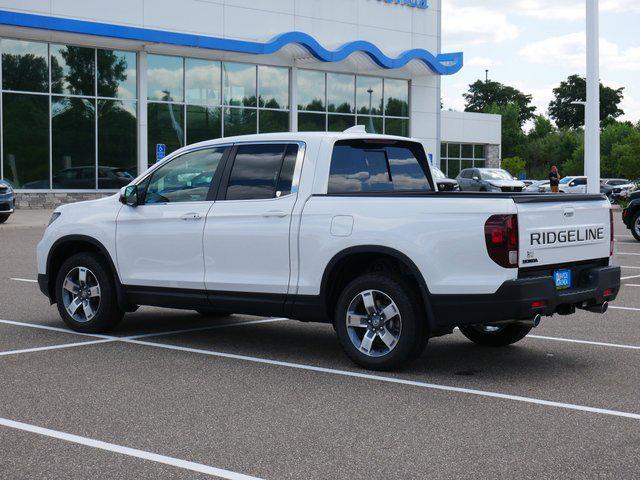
(554, 179)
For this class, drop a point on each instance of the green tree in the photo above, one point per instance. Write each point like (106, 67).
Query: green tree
(483, 96)
(512, 135)
(627, 156)
(574, 89)
(514, 165)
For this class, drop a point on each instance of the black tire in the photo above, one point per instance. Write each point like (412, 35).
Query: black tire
(107, 313)
(635, 226)
(212, 312)
(4, 217)
(412, 337)
(506, 335)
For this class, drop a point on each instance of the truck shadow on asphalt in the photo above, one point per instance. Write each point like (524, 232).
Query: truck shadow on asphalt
(445, 358)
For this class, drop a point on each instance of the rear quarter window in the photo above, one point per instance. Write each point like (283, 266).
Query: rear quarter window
(364, 167)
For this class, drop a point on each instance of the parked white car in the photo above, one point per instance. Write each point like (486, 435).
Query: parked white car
(343, 228)
(573, 185)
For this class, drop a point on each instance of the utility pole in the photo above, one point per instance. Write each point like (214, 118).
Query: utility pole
(592, 122)
(486, 76)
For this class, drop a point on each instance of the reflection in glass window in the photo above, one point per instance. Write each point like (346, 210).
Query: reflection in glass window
(239, 81)
(73, 143)
(285, 179)
(339, 123)
(369, 96)
(454, 150)
(165, 78)
(397, 126)
(467, 151)
(311, 91)
(73, 70)
(203, 82)
(25, 132)
(479, 151)
(272, 121)
(255, 172)
(165, 127)
(312, 122)
(371, 124)
(203, 123)
(186, 178)
(117, 74)
(340, 93)
(24, 66)
(273, 87)
(406, 171)
(117, 143)
(240, 121)
(396, 94)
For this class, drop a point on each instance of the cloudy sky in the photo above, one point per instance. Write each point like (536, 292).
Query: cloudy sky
(534, 44)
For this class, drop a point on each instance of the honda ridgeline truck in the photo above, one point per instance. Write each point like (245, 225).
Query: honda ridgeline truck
(344, 228)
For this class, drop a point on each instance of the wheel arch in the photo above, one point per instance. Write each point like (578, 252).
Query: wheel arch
(368, 255)
(69, 245)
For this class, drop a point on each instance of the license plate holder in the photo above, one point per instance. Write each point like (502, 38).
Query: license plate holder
(562, 279)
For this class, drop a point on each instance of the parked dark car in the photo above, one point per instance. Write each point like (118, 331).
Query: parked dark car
(444, 184)
(488, 180)
(631, 215)
(7, 201)
(615, 188)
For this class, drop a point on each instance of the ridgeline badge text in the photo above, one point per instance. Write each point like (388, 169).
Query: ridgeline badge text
(422, 4)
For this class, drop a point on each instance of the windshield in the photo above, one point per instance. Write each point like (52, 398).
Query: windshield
(437, 173)
(496, 175)
(566, 180)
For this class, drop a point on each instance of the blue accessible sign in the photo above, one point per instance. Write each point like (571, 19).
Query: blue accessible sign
(161, 151)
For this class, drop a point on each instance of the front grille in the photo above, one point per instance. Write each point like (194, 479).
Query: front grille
(4, 207)
(511, 189)
(445, 187)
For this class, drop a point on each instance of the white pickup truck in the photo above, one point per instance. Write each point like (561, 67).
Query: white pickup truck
(344, 228)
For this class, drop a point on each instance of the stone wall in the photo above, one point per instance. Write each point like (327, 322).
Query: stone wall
(30, 201)
(493, 156)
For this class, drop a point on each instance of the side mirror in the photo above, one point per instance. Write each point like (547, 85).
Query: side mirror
(572, 184)
(129, 195)
(476, 178)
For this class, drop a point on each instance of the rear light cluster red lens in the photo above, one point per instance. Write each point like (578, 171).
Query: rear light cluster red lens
(612, 233)
(501, 236)
(539, 304)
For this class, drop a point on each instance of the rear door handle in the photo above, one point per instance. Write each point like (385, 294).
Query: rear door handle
(191, 217)
(275, 213)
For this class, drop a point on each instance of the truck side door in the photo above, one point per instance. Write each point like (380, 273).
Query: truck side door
(247, 233)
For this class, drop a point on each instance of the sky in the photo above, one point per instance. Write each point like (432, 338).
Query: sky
(535, 44)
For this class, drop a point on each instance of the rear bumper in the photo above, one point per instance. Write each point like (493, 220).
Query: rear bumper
(514, 299)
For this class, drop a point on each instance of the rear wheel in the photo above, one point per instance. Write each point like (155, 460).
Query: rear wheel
(495, 335)
(4, 217)
(86, 295)
(635, 226)
(380, 322)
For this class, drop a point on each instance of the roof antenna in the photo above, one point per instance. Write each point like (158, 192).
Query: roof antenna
(356, 129)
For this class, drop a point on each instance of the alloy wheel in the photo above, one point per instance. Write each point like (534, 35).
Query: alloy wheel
(374, 323)
(81, 294)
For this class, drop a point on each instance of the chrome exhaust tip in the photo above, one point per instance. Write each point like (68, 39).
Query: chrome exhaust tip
(533, 322)
(601, 308)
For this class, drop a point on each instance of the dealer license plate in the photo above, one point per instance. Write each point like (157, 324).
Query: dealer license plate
(562, 279)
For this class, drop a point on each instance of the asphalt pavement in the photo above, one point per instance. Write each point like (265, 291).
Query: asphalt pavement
(173, 395)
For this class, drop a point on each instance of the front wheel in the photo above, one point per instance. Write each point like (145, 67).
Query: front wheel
(635, 226)
(380, 322)
(4, 217)
(495, 335)
(86, 295)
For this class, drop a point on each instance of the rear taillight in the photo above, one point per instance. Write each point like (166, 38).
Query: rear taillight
(501, 236)
(612, 233)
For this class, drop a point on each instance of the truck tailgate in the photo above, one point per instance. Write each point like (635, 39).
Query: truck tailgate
(559, 232)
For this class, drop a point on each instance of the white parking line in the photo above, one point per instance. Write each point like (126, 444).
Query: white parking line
(53, 347)
(211, 327)
(632, 268)
(631, 285)
(131, 452)
(625, 253)
(54, 329)
(379, 378)
(626, 308)
(585, 342)
(629, 278)
(24, 280)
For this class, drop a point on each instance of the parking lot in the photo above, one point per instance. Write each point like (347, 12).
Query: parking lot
(173, 395)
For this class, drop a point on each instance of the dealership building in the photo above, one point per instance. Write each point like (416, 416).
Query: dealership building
(94, 92)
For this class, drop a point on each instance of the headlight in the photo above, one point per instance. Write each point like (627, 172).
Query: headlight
(54, 217)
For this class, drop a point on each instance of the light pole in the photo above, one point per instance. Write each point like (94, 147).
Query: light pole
(592, 122)
(371, 127)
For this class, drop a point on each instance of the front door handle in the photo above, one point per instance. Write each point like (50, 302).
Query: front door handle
(275, 213)
(191, 217)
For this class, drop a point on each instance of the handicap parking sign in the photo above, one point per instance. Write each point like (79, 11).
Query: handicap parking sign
(161, 151)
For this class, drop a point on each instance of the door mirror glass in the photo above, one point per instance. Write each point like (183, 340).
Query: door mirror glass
(129, 195)
(572, 184)
(476, 178)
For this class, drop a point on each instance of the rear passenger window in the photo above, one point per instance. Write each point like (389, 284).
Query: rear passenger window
(358, 166)
(262, 171)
